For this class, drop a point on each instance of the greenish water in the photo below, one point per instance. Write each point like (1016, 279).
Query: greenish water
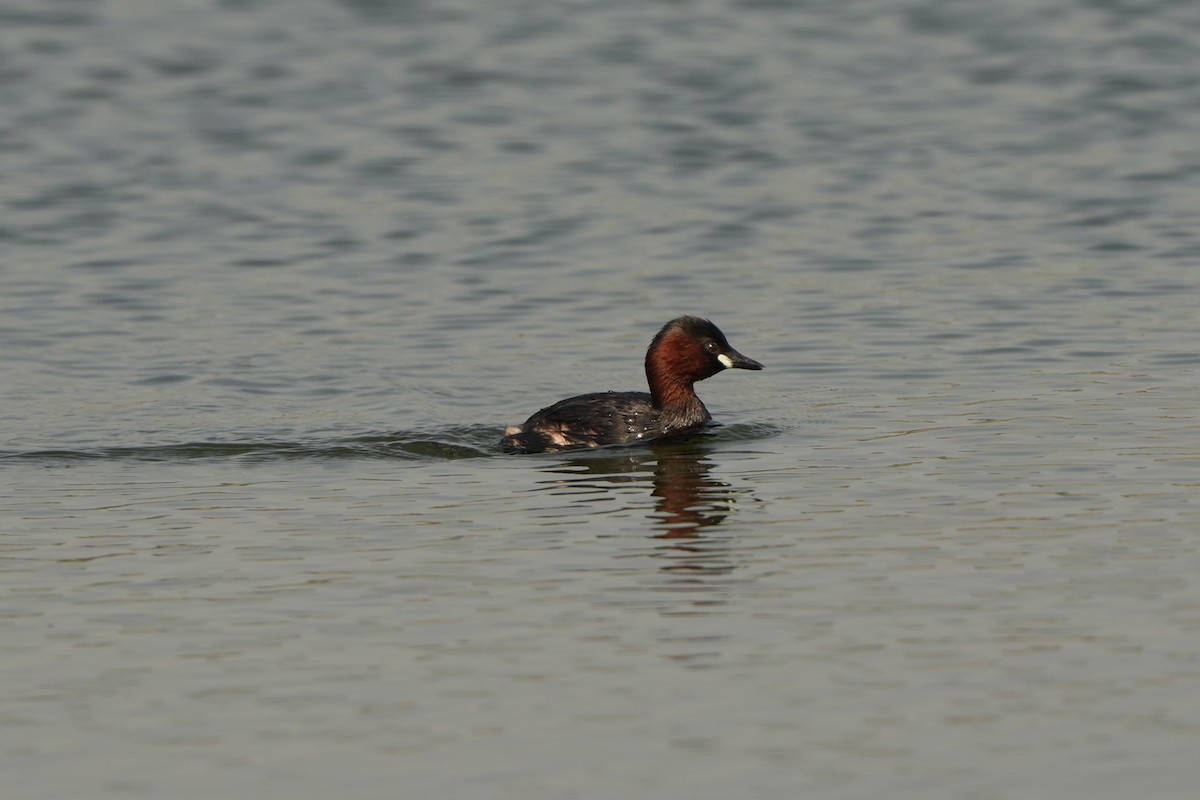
(275, 276)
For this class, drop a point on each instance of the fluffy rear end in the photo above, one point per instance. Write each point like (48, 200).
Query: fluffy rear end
(526, 442)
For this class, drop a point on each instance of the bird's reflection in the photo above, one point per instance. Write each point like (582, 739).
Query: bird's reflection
(689, 502)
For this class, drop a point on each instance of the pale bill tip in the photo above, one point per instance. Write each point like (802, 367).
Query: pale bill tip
(726, 360)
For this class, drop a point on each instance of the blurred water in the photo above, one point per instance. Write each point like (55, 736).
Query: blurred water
(274, 276)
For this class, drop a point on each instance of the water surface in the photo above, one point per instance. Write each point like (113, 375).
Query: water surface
(275, 275)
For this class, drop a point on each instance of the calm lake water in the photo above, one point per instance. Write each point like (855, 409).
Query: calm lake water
(275, 274)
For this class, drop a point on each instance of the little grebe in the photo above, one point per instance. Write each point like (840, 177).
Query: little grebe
(686, 350)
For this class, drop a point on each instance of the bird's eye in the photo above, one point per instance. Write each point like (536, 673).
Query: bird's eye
(712, 346)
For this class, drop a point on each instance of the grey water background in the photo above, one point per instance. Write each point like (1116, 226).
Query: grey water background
(274, 274)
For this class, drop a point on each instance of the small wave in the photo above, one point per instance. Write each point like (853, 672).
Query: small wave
(746, 431)
(446, 444)
(450, 444)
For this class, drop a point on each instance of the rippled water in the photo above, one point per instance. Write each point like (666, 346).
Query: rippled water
(275, 275)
